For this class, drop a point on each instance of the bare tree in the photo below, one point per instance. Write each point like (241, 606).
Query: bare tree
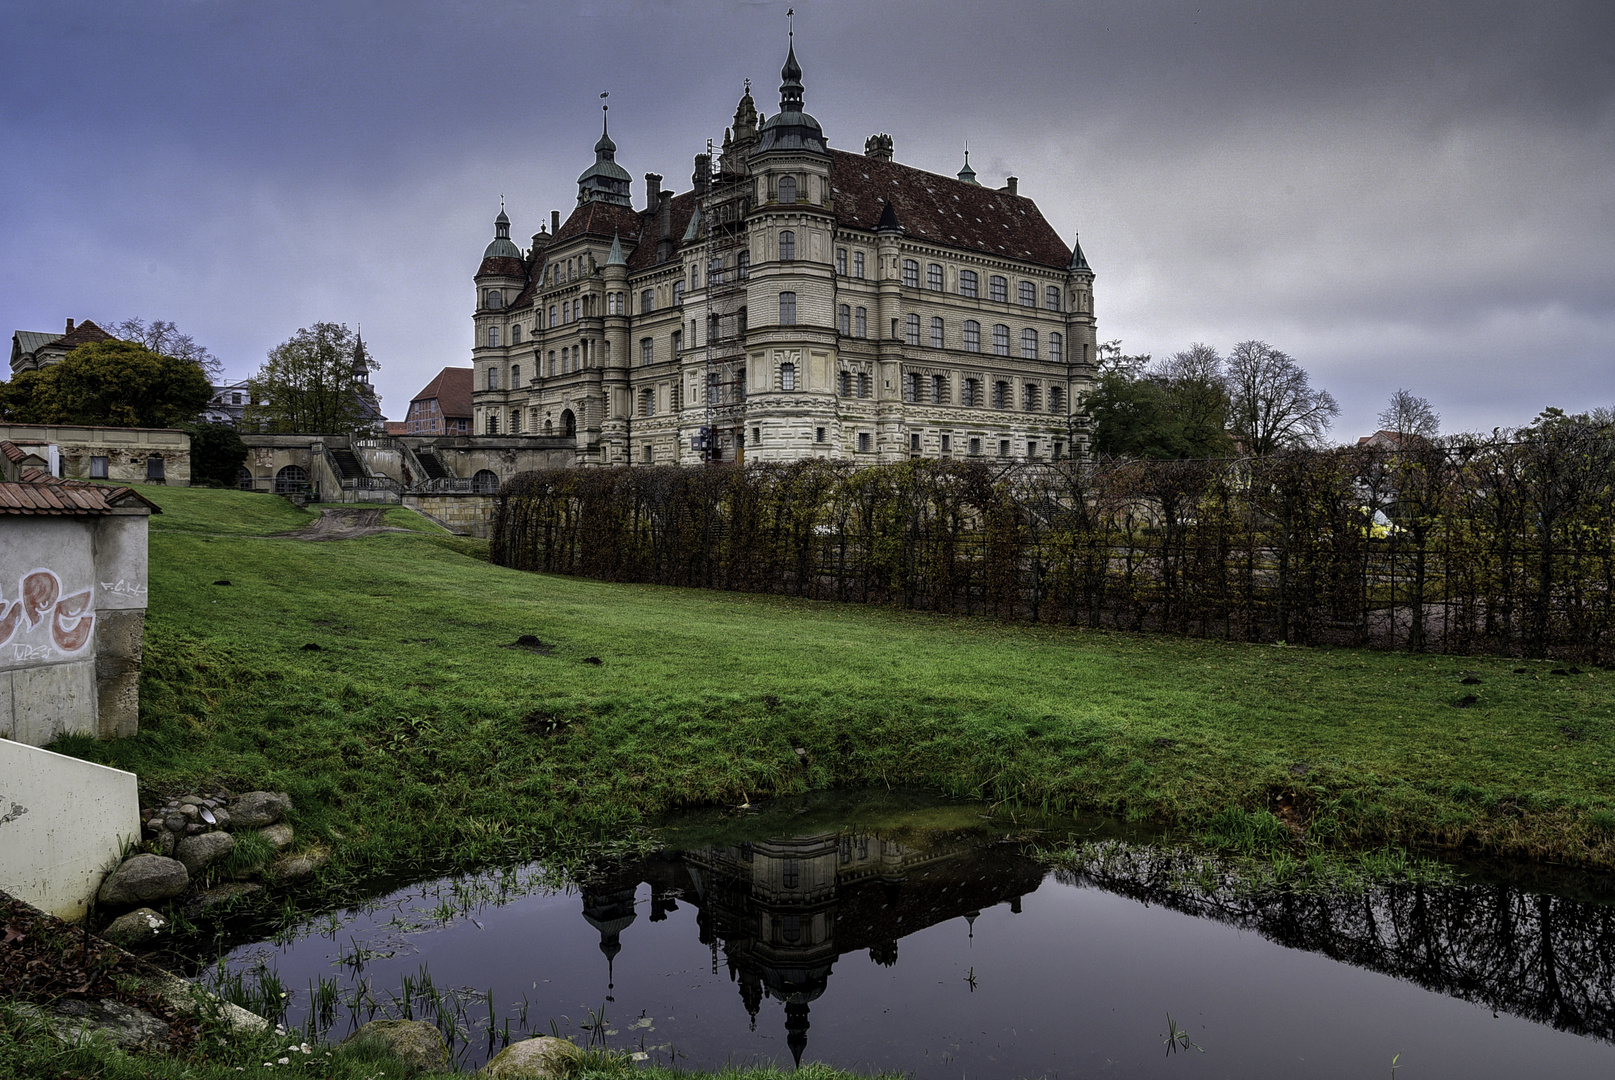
(1110, 360)
(1272, 404)
(1408, 414)
(164, 339)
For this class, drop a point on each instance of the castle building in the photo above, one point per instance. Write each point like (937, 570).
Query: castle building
(798, 302)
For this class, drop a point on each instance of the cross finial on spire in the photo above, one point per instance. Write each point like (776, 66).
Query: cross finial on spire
(790, 22)
(605, 107)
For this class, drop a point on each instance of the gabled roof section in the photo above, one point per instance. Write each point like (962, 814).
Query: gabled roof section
(679, 210)
(452, 389)
(28, 341)
(601, 219)
(942, 210)
(39, 493)
(85, 333)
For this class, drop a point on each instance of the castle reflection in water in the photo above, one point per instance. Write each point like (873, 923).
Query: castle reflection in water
(782, 912)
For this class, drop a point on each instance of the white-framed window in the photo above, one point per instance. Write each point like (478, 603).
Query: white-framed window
(493, 378)
(998, 289)
(647, 351)
(1028, 294)
(939, 389)
(787, 376)
(844, 320)
(1056, 347)
(936, 331)
(860, 322)
(911, 273)
(647, 301)
(1051, 297)
(911, 329)
(968, 284)
(858, 265)
(787, 309)
(1028, 344)
(787, 245)
(933, 277)
(493, 337)
(98, 467)
(787, 189)
(841, 262)
(1000, 339)
(972, 336)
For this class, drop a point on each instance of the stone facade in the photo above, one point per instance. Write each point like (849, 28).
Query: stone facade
(117, 454)
(799, 301)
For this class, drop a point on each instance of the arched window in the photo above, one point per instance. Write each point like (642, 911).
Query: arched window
(291, 478)
(936, 331)
(552, 361)
(491, 424)
(787, 376)
(787, 189)
(860, 322)
(998, 289)
(787, 245)
(968, 283)
(1051, 297)
(939, 389)
(515, 376)
(1056, 348)
(911, 273)
(678, 290)
(841, 262)
(1000, 339)
(647, 301)
(1028, 294)
(972, 336)
(493, 378)
(911, 330)
(496, 298)
(787, 309)
(493, 337)
(485, 482)
(1028, 344)
(553, 323)
(844, 320)
(516, 334)
(569, 423)
(244, 478)
(933, 277)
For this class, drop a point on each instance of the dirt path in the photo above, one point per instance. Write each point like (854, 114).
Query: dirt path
(344, 524)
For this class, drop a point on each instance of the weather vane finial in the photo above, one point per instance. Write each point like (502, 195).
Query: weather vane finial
(790, 22)
(748, 86)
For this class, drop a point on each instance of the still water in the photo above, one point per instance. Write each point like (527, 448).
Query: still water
(904, 936)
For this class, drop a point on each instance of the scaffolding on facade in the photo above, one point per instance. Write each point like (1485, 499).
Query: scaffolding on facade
(724, 203)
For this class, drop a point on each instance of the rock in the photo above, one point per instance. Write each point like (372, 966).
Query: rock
(128, 1028)
(135, 928)
(199, 851)
(220, 894)
(279, 835)
(145, 878)
(256, 809)
(222, 816)
(415, 1043)
(540, 1059)
(175, 822)
(291, 867)
(155, 824)
(191, 811)
(165, 843)
(194, 828)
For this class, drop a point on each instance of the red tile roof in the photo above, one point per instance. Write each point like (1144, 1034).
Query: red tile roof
(14, 451)
(452, 389)
(84, 333)
(502, 266)
(39, 493)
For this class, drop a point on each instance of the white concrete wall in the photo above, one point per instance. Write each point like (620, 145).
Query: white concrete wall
(63, 825)
(47, 643)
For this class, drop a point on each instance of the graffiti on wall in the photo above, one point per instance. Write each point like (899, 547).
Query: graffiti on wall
(39, 624)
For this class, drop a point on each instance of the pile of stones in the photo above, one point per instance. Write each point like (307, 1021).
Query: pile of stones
(184, 837)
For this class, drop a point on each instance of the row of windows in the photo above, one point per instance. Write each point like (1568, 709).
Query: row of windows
(490, 426)
(969, 280)
(934, 390)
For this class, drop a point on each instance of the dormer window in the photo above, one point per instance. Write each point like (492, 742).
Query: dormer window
(787, 189)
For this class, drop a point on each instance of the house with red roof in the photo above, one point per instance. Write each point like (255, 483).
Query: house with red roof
(32, 350)
(443, 407)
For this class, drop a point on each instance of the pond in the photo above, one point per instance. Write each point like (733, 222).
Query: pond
(895, 933)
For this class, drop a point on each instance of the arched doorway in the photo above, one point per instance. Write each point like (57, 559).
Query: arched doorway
(485, 482)
(292, 478)
(569, 423)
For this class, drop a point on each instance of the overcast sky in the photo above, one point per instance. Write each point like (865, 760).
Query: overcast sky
(1398, 194)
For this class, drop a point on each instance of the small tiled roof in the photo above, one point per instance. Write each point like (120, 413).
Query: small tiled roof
(943, 210)
(601, 219)
(452, 389)
(84, 333)
(39, 493)
(14, 451)
(502, 266)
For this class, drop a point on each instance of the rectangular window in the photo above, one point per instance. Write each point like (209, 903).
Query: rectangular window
(914, 441)
(939, 390)
(818, 434)
(911, 273)
(911, 388)
(1003, 448)
(998, 289)
(933, 277)
(863, 442)
(911, 332)
(787, 376)
(493, 378)
(647, 351)
(1001, 397)
(844, 320)
(787, 309)
(1000, 340)
(972, 336)
(515, 376)
(1051, 297)
(1031, 397)
(865, 384)
(678, 290)
(936, 332)
(844, 384)
(1059, 449)
(858, 265)
(975, 447)
(516, 334)
(552, 361)
(1056, 348)
(1028, 294)
(647, 301)
(677, 342)
(1031, 448)
(972, 393)
(947, 443)
(860, 322)
(515, 421)
(1056, 399)
(967, 283)
(98, 468)
(552, 316)
(841, 261)
(493, 337)
(743, 265)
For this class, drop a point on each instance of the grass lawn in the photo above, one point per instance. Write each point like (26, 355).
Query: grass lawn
(374, 680)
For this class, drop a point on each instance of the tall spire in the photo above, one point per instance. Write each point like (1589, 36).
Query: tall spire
(1079, 262)
(605, 180)
(790, 87)
(615, 258)
(967, 174)
(790, 128)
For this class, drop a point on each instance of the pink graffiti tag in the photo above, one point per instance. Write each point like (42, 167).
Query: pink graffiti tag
(72, 621)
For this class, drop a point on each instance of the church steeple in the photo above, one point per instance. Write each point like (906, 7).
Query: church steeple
(605, 180)
(791, 128)
(502, 246)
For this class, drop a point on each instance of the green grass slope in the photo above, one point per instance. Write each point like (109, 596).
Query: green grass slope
(375, 680)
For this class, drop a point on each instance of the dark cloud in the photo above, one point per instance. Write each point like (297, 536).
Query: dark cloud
(1411, 194)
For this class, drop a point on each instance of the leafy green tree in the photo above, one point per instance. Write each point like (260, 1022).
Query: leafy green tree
(113, 383)
(1177, 409)
(217, 454)
(307, 384)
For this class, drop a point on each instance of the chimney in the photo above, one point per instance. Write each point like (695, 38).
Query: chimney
(702, 175)
(69, 329)
(555, 222)
(1013, 185)
(653, 188)
(664, 206)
